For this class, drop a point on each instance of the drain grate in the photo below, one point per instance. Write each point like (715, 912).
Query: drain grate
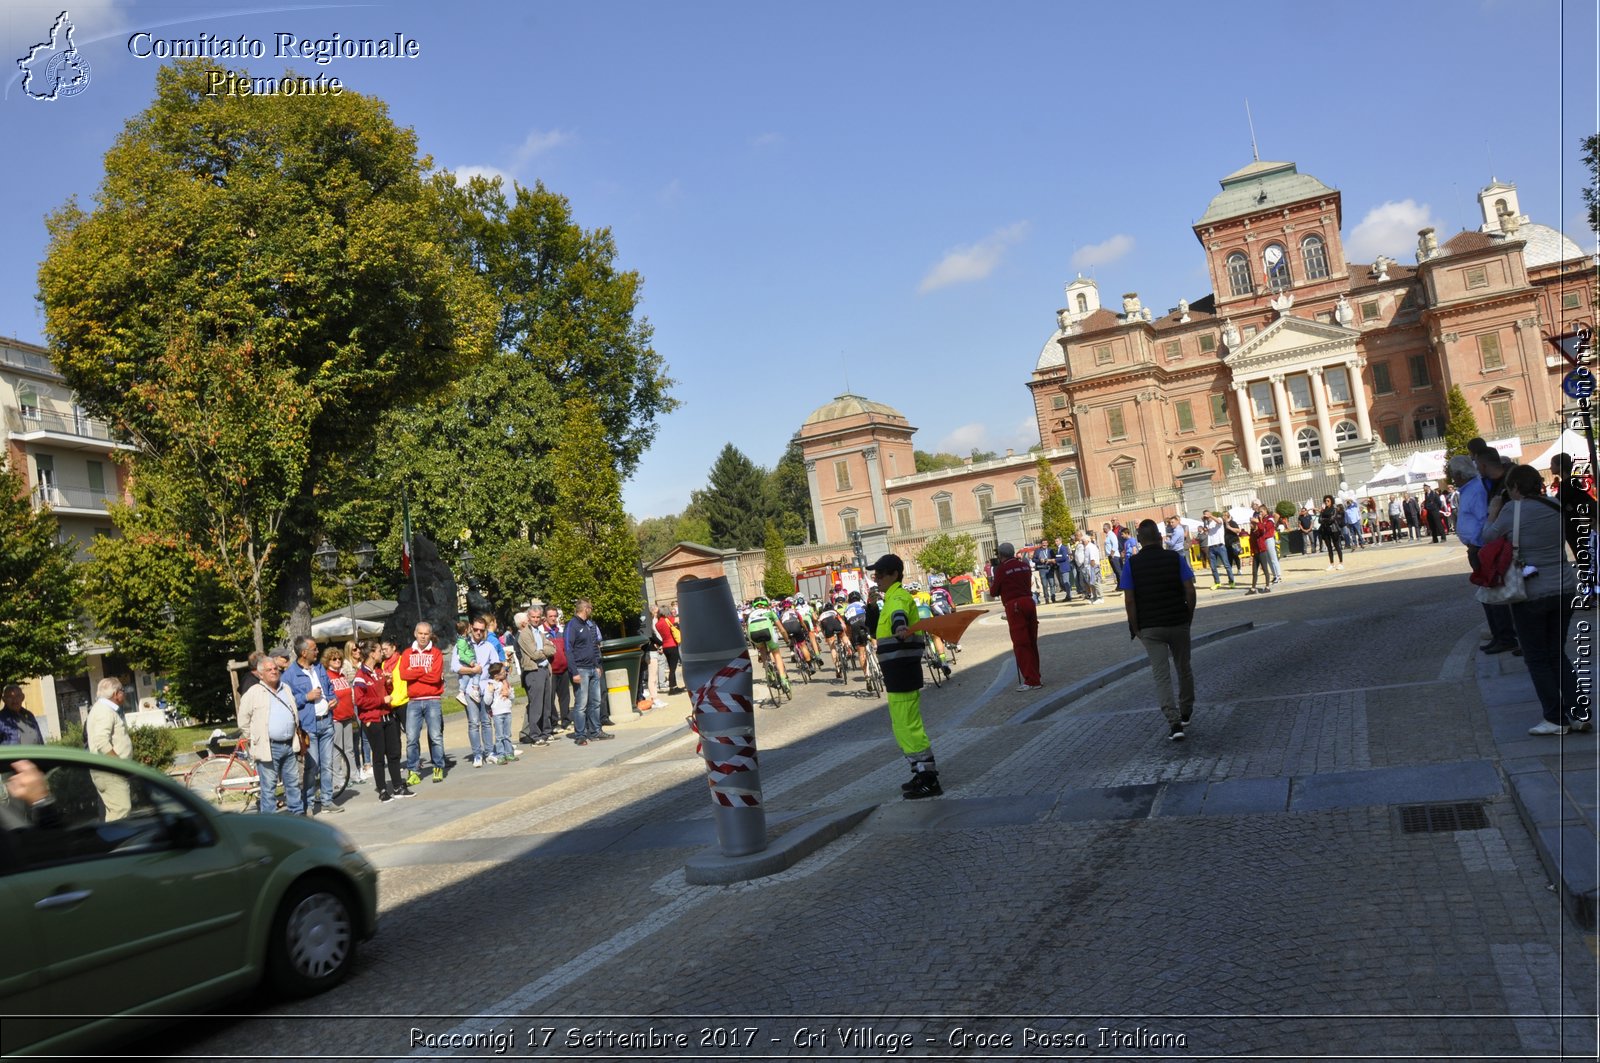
(1438, 819)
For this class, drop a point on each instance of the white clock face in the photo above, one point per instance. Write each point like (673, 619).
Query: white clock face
(1273, 255)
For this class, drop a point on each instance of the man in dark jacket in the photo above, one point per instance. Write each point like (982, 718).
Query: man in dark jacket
(583, 658)
(1158, 592)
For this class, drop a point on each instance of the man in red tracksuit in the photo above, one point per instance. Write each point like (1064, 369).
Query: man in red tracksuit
(1013, 585)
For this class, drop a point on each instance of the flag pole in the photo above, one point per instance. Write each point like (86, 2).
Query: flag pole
(410, 551)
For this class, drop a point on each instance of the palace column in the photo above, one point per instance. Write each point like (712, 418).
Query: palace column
(816, 502)
(1247, 425)
(1291, 449)
(1358, 395)
(1319, 397)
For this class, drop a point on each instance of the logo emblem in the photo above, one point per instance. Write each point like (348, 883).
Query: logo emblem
(55, 68)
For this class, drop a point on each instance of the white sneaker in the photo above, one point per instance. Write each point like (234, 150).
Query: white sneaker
(1545, 727)
(1330, 568)
(477, 762)
(660, 704)
(1340, 566)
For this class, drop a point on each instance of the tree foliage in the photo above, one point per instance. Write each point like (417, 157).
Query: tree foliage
(1591, 191)
(1057, 517)
(1460, 425)
(949, 555)
(776, 579)
(927, 462)
(39, 588)
(293, 252)
(734, 501)
(789, 497)
(131, 580)
(590, 551)
(563, 305)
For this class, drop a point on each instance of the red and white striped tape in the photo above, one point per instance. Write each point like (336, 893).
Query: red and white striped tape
(729, 748)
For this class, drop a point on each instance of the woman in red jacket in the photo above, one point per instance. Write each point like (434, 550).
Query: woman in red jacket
(370, 691)
(1261, 536)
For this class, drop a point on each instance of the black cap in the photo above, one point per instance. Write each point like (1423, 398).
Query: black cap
(887, 563)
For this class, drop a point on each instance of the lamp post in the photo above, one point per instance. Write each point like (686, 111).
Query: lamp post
(328, 558)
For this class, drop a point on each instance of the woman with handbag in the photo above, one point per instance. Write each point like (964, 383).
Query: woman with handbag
(1330, 529)
(1533, 524)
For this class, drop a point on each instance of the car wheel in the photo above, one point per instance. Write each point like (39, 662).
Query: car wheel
(313, 938)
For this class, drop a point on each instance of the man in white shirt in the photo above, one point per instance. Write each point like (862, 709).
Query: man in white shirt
(108, 735)
(1216, 548)
(267, 716)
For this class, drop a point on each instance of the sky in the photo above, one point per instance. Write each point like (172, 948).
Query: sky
(885, 198)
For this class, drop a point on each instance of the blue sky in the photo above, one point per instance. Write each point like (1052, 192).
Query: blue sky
(890, 194)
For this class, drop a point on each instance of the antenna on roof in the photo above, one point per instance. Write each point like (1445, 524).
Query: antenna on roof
(1254, 154)
(846, 372)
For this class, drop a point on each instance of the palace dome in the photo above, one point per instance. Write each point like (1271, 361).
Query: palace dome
(848, 405)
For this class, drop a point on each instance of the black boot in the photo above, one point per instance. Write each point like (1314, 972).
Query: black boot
(926, 784)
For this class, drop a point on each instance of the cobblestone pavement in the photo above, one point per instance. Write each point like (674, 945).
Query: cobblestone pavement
(1085, 888)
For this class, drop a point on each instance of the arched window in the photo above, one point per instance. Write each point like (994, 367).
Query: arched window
(1345, 432)
(1239, 274)
(1083, 303)
(847, 521)
(1309, 444)
(1315, 256)
(1276, 263)
(1271, 450)
(1191, 457)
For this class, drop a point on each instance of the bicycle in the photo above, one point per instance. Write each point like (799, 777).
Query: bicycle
(775, 689)
(937, 668)
(874, 672)
(227, 779)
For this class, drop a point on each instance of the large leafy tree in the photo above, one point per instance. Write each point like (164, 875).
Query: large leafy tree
(734, 501)
(590, 551)
(38, 588)
(563, 305)
(949, 555)
(289, 247)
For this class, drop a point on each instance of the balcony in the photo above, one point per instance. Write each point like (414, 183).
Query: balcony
(71, 501)
(34, 424)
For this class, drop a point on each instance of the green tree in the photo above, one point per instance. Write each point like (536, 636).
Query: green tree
(1591, 190)
(789, 496)
(1460, 425)
(130, 582)
(590, 551)
(39, 588)
(564, 307)
(776, 579)
(949, 555)
(734, 501)
(926, 462)
(295, 251)
(1058, 523)
(984, 455)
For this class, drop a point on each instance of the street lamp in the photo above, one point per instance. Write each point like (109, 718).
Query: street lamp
(328, 558)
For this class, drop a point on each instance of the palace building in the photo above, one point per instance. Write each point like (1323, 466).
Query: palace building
(1299, 358)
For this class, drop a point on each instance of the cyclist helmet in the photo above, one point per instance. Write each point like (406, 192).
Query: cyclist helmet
(913, 586)
(760, 603)
(799, 599)
(838, 599)
(788, 603)
(855, 596)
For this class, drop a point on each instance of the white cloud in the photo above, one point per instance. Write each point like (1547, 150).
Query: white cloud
(1390, 229)
(767, 140)
(1091, 255)
(463, 174)
(535, 144)
(976, 435)
(974, 262)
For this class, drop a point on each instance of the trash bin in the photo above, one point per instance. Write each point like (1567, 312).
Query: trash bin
(1296, 541)
(619, 660)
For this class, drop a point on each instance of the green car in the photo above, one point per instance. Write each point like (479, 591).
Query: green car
(128, 900)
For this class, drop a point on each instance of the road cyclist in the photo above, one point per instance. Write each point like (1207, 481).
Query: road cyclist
(796, 623)
(831, 625)
(761, 626)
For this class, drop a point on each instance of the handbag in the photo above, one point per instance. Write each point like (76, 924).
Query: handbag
(1512, 587)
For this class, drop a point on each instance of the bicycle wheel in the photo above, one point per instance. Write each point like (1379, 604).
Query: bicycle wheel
(240, 787)
(205, 778)
(341, 771)
(934, 669)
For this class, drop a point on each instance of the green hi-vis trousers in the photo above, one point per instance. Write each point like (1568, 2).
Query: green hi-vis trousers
(905, 714)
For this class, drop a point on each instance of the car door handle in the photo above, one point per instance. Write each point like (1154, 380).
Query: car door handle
(63, 900)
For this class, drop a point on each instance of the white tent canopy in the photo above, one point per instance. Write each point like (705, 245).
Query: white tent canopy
(1570, 442)
(339, 627)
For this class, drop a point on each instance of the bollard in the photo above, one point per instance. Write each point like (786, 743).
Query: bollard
(717, 671)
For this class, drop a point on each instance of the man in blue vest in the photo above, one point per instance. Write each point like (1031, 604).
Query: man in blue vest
(1158, 592)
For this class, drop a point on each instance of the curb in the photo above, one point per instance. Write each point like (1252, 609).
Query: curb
(1566, 848)
(1106, 676)
(711, 868)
